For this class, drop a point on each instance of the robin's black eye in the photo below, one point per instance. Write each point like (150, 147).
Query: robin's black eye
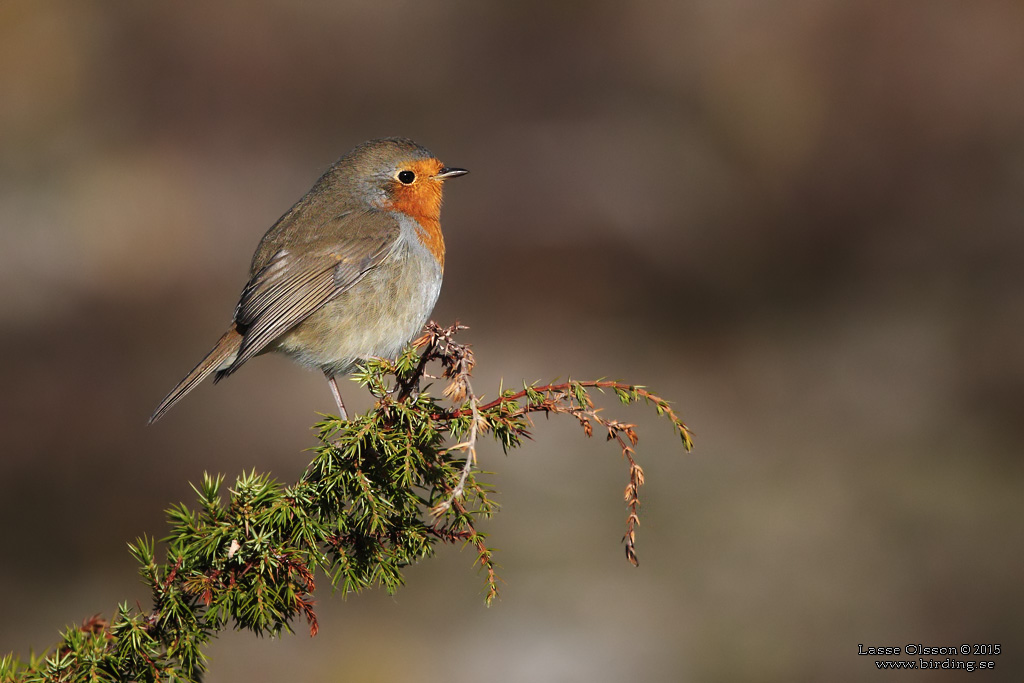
(406, 177)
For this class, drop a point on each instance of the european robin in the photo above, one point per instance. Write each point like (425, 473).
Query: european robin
(351, 271)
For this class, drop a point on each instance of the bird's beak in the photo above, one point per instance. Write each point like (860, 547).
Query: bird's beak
(448, 172)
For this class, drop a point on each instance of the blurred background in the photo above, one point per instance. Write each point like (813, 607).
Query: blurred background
(800, 221)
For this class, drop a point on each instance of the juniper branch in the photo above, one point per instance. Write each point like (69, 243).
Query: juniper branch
(381, 491)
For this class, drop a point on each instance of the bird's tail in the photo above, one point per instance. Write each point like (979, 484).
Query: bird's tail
(222, 355)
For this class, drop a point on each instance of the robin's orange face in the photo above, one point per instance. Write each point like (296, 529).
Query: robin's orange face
(415, 190)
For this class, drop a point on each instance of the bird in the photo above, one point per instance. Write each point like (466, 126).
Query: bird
(352, 271)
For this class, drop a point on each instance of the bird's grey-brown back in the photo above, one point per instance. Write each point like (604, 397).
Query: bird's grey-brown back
(353, 188)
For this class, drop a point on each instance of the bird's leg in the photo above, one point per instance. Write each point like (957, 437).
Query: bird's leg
(332, 380)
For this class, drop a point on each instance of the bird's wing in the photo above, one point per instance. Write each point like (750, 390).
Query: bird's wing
(291, 285)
